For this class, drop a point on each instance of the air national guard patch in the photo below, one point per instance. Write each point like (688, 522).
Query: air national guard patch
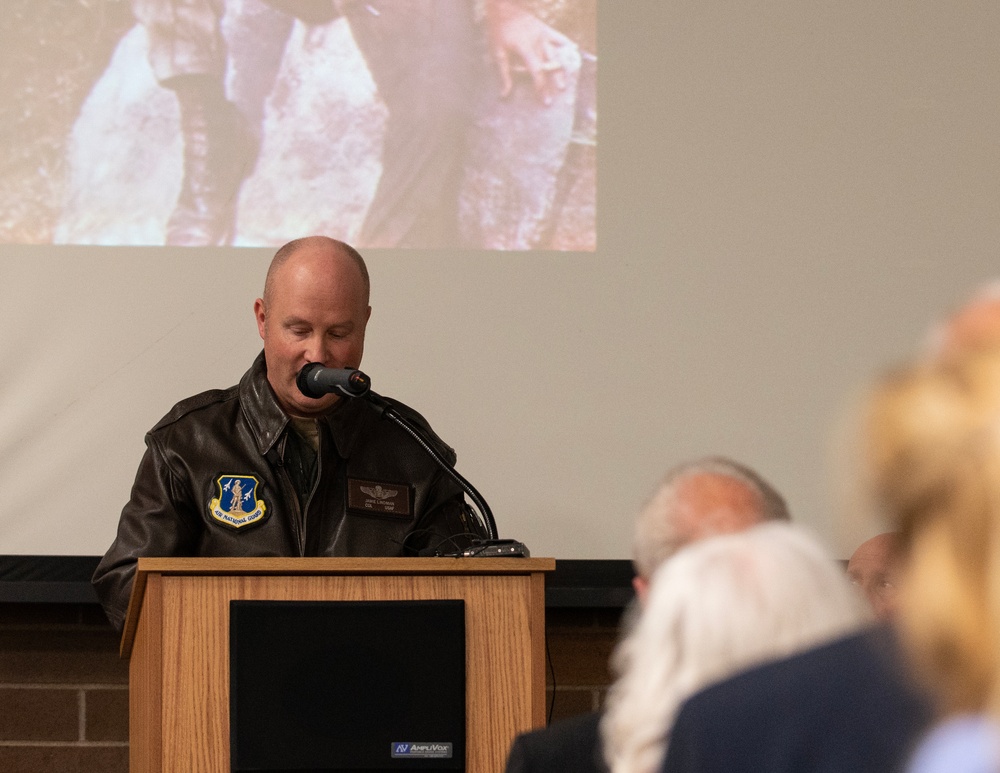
(237, 504)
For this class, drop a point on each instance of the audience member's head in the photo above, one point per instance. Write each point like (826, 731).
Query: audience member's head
(933, 436)
(699, 499)
(873, 568)
(974, 326)
(716, 607)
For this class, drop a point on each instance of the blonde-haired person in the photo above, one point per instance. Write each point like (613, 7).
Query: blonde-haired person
(719, 605)
(933, 435)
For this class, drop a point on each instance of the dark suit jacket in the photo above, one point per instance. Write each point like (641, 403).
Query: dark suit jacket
(844, 707)
(572, 745)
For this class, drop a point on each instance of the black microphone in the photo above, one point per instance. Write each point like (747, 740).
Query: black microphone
(315, 381)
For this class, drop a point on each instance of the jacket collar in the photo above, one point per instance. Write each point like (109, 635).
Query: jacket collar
(269, 422)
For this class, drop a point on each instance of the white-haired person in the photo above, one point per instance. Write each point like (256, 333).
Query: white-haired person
(718, 606)
(694, 500)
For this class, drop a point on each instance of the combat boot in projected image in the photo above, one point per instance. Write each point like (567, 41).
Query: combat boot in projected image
(219, 154)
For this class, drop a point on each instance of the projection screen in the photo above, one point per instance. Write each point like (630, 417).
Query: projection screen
(789, 196)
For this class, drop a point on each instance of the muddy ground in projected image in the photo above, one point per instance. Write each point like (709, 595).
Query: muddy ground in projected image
(101, 163)
(44, 85)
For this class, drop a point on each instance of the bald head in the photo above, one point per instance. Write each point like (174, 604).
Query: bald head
(873, 570)
(323, 248)
(708, 504)
(700, 499)
(974, 326)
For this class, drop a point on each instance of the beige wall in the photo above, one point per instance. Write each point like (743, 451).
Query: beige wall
(788, 193)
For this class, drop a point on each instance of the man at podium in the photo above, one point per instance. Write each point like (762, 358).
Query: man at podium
(261, 469)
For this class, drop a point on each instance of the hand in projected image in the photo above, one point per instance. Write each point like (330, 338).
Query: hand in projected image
(521, 42)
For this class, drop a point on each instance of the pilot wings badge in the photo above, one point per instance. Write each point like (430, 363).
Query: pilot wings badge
(237, 504)
(378, 492)
(374, 498)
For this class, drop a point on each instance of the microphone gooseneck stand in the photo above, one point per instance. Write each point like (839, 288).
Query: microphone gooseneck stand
(483, 510)
(315, 380)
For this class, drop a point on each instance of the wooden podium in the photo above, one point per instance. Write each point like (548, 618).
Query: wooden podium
(177, 639)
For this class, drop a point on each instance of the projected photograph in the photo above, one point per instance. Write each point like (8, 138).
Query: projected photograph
(388, 123)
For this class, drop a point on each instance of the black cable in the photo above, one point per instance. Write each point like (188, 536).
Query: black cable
(420, 533)
(466, 537)
(457, 547)
(552, 673)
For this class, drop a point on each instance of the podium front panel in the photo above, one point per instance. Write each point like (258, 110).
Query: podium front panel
(180, 659)
(340, 686)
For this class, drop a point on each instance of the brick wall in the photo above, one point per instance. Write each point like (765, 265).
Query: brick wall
(64, 690)
(580, 642)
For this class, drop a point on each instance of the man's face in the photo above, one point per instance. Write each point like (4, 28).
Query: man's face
(316, 312)
(873, 570)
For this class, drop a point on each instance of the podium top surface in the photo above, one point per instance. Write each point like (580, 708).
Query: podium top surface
(287, 567)
(381, 566)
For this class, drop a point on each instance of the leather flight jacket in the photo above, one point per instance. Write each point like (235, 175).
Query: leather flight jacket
(213, 482)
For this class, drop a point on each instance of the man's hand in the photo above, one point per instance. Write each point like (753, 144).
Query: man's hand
(521, 42)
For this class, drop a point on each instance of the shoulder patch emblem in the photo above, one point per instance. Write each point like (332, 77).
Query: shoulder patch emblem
(237, 504)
